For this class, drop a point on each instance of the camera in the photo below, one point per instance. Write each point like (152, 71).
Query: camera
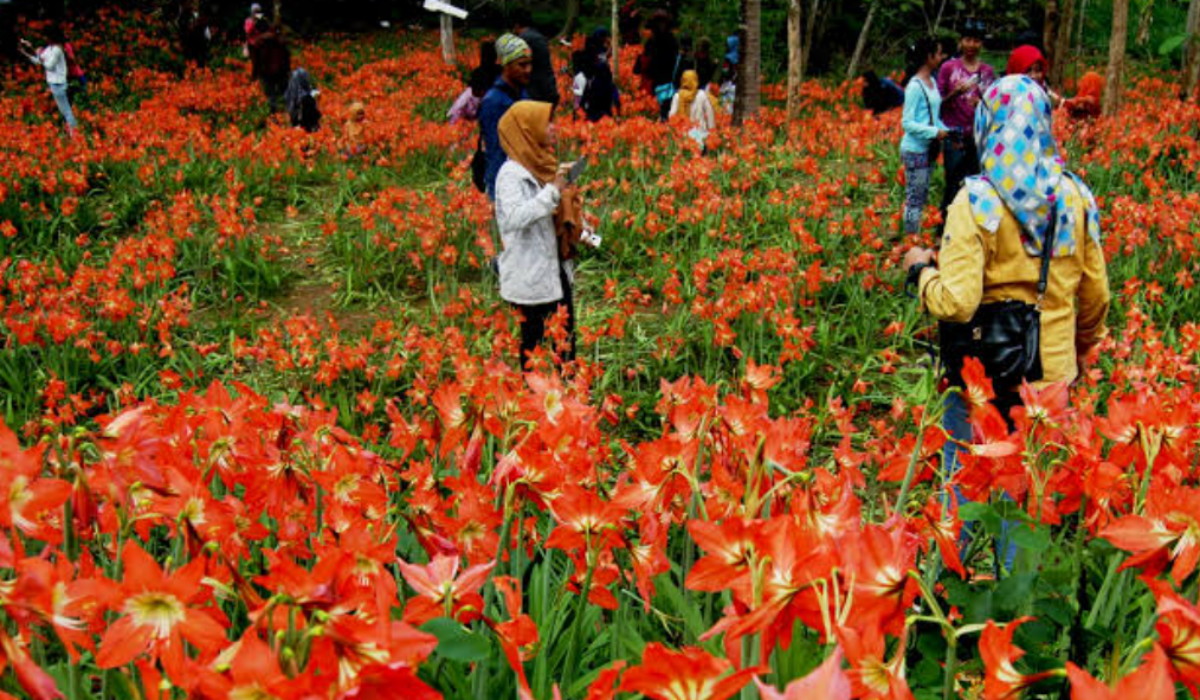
(590, 238)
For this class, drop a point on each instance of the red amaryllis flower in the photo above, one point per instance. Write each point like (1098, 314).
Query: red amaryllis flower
(1152, 681)
(828, 682)
(688, 674)
(518, 633)
(1170, 530)
(1178, 628)
(442, 592)
(28, 502)
(160, 613)
(872, 675)
(1002, 680)
(32, 678)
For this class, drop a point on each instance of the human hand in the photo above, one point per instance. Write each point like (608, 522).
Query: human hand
(916, 256)
(942, 134)
(560, 182)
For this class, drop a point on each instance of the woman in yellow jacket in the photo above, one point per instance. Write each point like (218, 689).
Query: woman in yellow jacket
(995, 232)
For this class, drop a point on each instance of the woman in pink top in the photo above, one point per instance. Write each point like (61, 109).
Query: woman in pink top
(962, 81)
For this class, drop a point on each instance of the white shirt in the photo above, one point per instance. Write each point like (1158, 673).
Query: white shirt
(54, 61)
(525, 216)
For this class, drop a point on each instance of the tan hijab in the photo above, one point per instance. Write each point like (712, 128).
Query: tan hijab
(525, 138)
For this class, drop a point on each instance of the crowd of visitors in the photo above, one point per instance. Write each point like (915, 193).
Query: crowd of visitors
(1018, 256)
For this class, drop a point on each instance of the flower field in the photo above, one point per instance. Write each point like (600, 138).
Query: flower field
(266, 437)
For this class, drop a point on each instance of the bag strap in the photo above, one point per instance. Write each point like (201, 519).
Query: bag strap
(1047, 253)
(675, 70)
(928, 103)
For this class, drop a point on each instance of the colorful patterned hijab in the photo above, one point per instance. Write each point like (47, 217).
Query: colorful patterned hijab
(1021, 169)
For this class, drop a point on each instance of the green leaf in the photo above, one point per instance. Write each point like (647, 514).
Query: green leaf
(981, 513)
(456, 642)
(1011, 510)
(972, 510)
(1014, 591)
(1055, 609)
(1171, 44)
(1035, 539)
(927, 672)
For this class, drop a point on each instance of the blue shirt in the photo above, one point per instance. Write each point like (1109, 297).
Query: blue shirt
(495, 103)
(922, 105)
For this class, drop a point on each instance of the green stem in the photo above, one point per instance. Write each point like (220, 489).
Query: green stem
(951, 665)
(569, 670)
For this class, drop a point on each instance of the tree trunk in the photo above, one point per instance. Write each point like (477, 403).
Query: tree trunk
(1051, 28)
(795, 74)
(1145, 19)
(1062, 42)
(1116, 57)
(447, 27)
(861, 45)
(1191, 52)
(616, 40)
(810, 34)
(749, 85)
(572, 19)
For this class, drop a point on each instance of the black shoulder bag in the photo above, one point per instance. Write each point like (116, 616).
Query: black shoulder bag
(935, 146)
(1004, 335)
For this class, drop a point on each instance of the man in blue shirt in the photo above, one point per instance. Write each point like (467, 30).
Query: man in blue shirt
(516, 65)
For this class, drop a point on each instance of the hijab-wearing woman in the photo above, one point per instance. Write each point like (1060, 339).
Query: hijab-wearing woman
(923, 128)
(301, 100)
(1029, 60)
(697, 104)
(996, 229)
(991, 251)
(535, 275)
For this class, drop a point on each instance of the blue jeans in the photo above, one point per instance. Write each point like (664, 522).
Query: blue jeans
(64, 106)
(956, 422)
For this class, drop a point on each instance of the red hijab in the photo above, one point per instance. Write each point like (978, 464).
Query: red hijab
(1023, 58)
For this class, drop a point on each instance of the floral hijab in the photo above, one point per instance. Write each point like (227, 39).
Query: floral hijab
(1021, 169)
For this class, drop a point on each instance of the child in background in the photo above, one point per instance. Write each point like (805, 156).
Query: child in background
(352, 131)
(466, 106)
(1086, 103)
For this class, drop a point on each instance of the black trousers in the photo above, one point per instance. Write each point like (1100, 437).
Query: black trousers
(961, 161)
(533, 323)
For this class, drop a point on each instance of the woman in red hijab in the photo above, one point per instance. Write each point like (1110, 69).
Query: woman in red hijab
(1029, 60)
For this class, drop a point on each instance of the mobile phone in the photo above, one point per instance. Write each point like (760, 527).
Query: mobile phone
(576, 170)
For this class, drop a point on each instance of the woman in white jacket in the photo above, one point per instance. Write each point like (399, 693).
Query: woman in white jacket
(54, 60)
(697, 104)
(529, 188)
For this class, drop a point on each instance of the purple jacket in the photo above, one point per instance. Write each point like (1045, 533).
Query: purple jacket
(959, 111)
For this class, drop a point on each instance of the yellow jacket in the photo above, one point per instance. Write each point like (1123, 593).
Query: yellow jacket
(976, 267)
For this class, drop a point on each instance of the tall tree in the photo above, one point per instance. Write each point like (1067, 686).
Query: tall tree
(861, 44)
(1062, 41)
(616, 38)
(795, 74)
(1056, 28)
(1116, 57)
(1191, 52)
(572, 19)
(749, 78)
